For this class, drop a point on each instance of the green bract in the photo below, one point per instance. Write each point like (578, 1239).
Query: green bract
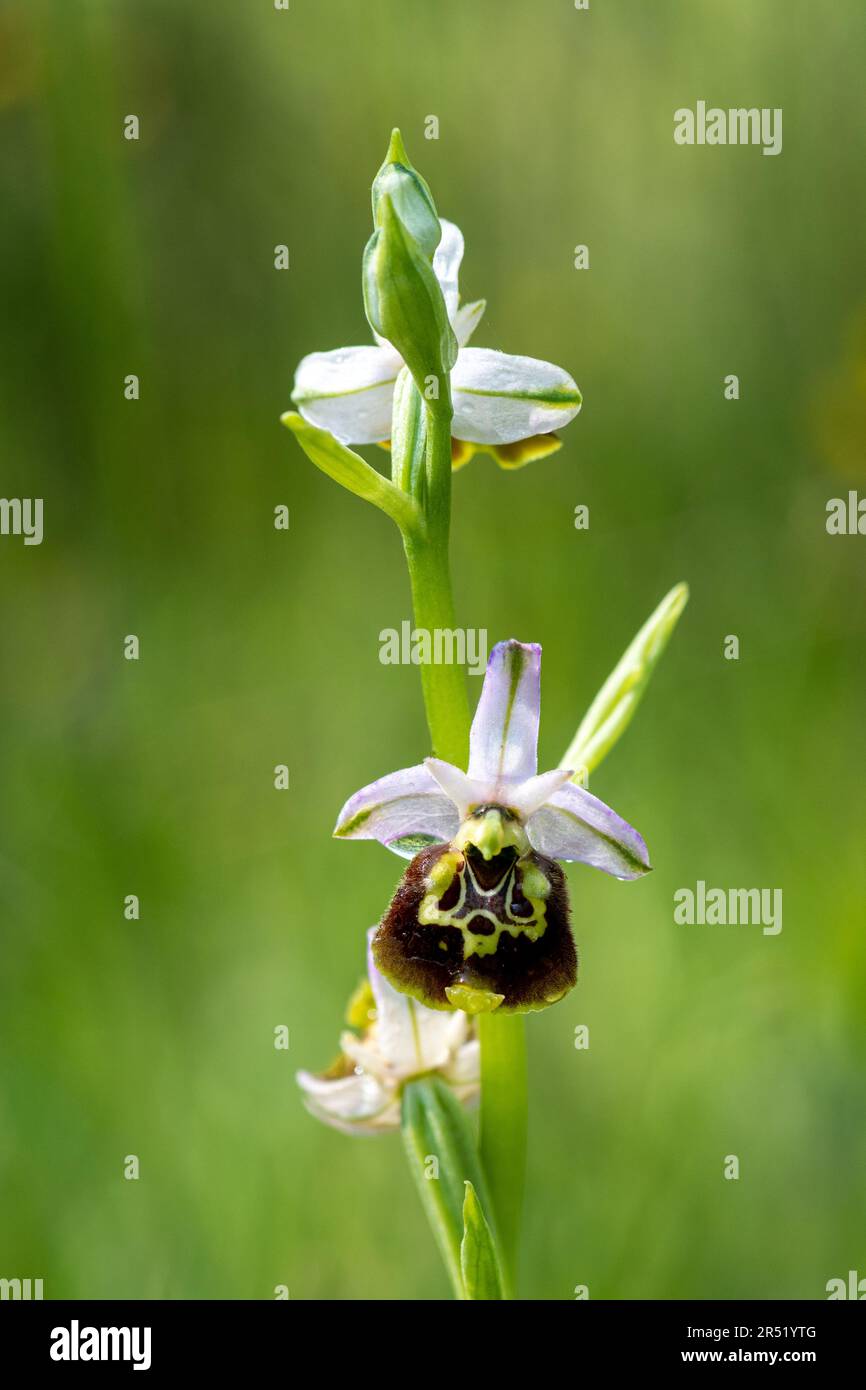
(354, 473)
(444, 1161)
(409, 439)
(479, 1259)
(612, 710)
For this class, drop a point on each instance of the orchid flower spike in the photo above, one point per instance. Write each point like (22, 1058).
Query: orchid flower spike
(480, 919)
(504, 405)
(391, 1039)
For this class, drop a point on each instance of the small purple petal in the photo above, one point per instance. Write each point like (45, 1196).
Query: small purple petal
(455, 784)
(530, 796)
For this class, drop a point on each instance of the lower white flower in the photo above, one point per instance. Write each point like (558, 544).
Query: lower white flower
(393, 1039)
(498, 399)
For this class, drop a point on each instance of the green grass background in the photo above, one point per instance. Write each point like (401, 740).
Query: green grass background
(260, 647)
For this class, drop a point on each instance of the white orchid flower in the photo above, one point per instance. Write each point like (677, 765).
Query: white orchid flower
(394, 1039)
(480, 919)
(505, 405)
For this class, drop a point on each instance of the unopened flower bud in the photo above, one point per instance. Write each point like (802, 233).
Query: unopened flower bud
(402, 296)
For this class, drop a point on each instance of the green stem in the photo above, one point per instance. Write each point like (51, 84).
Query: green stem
(444, 686)
(503, 1044)
(503, 1126)
(426, 547)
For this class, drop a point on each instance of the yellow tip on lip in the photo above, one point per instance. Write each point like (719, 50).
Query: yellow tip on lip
(473, 1001)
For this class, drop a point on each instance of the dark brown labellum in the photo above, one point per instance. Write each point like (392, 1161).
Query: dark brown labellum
(462, 928)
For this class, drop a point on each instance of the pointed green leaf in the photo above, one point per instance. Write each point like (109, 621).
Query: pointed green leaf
(352, 472)
(440, 1147)
(613, 707)
(479, 1260)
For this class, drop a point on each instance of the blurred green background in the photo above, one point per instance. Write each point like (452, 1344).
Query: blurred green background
(260, 646)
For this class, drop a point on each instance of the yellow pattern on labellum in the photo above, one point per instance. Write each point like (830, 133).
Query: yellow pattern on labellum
(493, 903)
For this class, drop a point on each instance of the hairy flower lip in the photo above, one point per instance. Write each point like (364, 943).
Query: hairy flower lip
(486, 947)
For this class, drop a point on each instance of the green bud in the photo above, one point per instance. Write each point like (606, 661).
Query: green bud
(409, 196)
(402, 296)
(404, 304)
(613, 707)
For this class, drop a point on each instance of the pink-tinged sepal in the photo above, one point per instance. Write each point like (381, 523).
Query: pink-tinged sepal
(575, 825)
(503, 743)
(402, 810)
